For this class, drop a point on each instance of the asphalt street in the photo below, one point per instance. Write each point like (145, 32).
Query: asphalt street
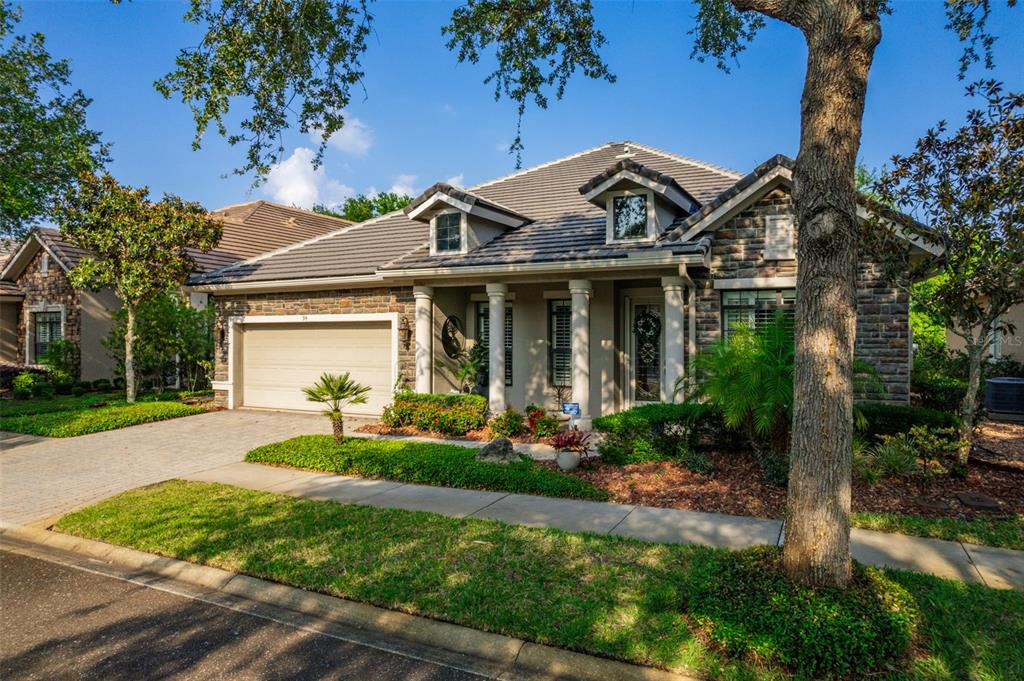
(59, 622)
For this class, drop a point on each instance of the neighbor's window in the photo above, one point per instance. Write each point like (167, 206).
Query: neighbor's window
(483, 334)
(754, 308)
(560, 342)
(46, 329)
(629, 216)
(448, 233)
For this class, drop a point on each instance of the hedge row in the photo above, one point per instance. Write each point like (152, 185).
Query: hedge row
(447, 414)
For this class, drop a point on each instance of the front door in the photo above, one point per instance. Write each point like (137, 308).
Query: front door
(646, 351)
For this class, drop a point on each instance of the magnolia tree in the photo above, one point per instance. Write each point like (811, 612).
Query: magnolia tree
(138, 248)
(968, 187)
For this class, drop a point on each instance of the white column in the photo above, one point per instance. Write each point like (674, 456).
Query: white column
(496, 346)
(675, 335)
(581, 290)
(424, 296)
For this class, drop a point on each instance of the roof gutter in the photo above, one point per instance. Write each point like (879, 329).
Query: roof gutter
(473, 271)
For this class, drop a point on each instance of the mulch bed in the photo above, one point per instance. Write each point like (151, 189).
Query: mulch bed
(738, 487)
(482, 435)
(1000, 443)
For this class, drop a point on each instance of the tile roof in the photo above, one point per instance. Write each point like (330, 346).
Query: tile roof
(565, 226)
(9, 288)
(629, 165)
(463, 196)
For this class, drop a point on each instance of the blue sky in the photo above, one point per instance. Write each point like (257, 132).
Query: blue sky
(427, 118)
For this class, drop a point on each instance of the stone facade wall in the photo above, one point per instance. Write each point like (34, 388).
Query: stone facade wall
(53, 288)
(883, 324)
(343, 301)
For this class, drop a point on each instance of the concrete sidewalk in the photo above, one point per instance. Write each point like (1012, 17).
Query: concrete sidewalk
(998, 568)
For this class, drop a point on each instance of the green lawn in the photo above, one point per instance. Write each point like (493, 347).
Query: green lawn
(70, 416)
(1007, 534)
(609, 596)
(59, 403)
(421, 462)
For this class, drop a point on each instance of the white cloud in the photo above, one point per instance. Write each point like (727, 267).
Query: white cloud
(503, 147)
(455, 180)
(355, 137)
(294, 182)
(404, 185)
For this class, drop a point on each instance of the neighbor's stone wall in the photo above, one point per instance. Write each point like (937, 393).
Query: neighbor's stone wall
(345, 301)
(53, 288)
(883, 323)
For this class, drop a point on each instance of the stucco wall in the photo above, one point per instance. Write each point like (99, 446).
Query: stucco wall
(98, 309)
(883, 326)
(349, 301)
(10, 313)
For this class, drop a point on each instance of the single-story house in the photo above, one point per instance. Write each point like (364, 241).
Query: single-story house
(1004, 344)
(602, 273)
(38, 304)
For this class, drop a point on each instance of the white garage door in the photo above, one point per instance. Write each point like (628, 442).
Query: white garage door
(278, 360)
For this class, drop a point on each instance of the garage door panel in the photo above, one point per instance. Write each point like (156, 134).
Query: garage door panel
(278, 360)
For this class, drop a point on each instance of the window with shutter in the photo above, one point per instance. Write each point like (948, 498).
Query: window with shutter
(778, 238)
(560, 342)
(483, 326)
(755, 308)
(47, 329)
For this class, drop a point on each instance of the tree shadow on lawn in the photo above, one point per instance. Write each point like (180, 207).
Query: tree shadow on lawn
(609, 596)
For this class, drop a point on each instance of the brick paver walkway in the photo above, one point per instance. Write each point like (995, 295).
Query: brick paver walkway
(41, 477)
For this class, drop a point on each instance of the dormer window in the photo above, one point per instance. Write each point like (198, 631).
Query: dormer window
(629, 216)
(639, 202)
(448, 233)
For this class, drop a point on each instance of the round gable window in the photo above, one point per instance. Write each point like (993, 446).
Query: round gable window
(452, 334)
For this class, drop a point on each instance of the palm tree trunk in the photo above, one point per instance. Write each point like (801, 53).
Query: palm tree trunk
(338, 422)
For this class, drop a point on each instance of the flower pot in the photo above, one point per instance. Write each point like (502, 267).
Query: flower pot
(568, 461)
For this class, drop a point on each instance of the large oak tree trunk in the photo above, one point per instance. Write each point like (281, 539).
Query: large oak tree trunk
(841, 40)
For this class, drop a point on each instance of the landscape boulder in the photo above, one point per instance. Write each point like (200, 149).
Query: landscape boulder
(498, 450)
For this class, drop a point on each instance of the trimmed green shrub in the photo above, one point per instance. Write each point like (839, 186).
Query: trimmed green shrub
(63, 386)
(42, 389)
(84, 385)
(695, 461)
(775, 468)
(78, 391)
(655, 432)
(743, 602)
(423, 463)
(24, 383)
(890, 419)
(508, 424)
(102, 385)
(539, 422)
(447, 414)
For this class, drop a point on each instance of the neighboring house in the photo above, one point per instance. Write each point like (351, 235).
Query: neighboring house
(1004, 344)
(604, 272)
(38, 304)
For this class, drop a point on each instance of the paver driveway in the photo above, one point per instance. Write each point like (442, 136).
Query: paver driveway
(42, 477)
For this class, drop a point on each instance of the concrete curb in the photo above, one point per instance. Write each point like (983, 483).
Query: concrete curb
(502, 657)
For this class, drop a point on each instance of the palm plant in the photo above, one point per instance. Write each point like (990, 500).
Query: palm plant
(748, 377)
(336, 392)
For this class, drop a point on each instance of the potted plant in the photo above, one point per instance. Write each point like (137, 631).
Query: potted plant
(572, 446)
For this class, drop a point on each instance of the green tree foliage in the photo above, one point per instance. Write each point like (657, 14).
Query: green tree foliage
(362, 207)
(336, 392)
(139, 248)
(172, 339)
(281, 57)
(44, 140)
(966, 185)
